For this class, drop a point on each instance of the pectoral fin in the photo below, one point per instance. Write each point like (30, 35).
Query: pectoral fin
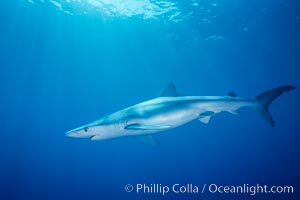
(148, 139)
(145, 127)
(205, 119)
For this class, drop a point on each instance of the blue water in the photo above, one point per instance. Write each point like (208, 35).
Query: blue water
(60, 70)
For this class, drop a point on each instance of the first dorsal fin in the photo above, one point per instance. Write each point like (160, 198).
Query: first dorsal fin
(169, 91)
(231, 94)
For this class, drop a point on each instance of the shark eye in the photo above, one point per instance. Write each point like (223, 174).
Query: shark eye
(85, 129)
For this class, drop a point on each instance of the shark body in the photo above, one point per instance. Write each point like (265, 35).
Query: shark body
(169, 111)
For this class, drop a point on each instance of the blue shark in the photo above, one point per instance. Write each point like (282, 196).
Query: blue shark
(170, 110)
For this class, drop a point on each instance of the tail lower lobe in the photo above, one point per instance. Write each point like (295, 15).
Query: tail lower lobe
(266, 98)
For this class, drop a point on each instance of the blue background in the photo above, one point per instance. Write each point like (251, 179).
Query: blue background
(60, 71)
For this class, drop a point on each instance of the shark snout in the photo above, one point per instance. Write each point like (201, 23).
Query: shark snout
(71, 134)
(74, 132)
(81, 132)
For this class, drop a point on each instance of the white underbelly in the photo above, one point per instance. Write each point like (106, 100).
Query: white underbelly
(172, 119)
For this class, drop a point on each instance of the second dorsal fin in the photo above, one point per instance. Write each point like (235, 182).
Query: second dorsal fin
(169, 91)
(231, 94)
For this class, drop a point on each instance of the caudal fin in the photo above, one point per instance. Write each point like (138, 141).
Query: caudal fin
(266, 98)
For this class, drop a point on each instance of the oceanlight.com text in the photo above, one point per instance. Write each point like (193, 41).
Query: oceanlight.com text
(248, 189)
